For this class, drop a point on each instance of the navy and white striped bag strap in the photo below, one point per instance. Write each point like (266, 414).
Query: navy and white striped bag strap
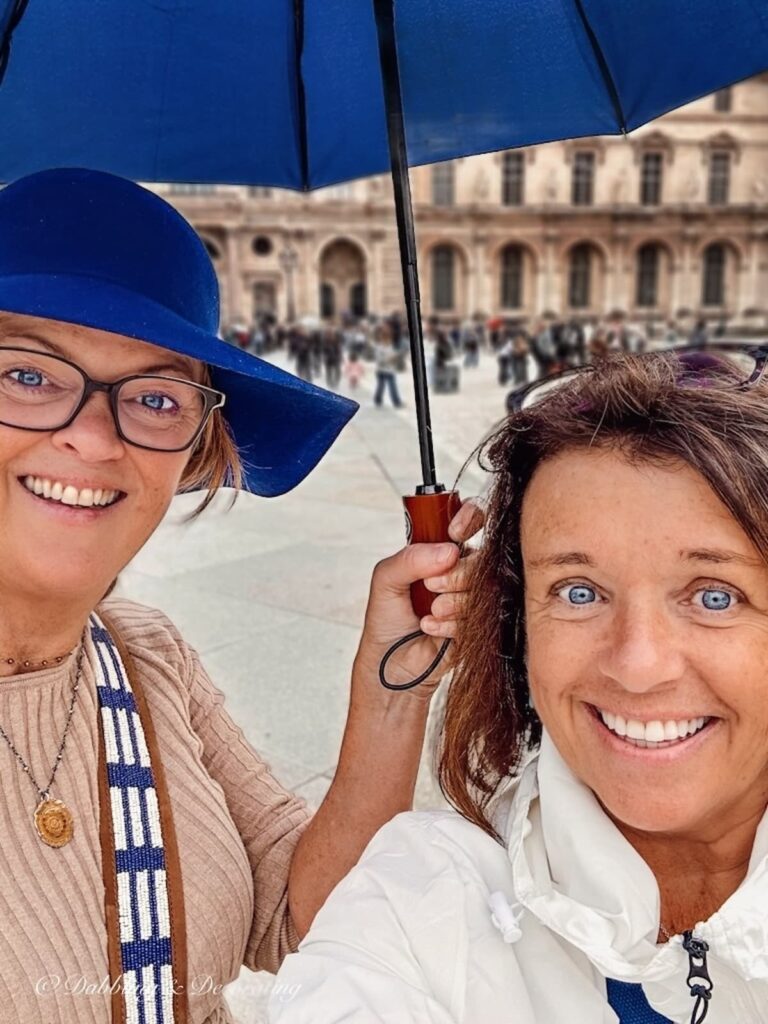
(144, 898)
(630, 1004)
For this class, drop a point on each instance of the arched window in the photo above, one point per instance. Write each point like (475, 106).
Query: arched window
(713, 280)
(327, 301)
(647, 281)
(443, 277)
(512, 277)
(357, 299)
(580, 276)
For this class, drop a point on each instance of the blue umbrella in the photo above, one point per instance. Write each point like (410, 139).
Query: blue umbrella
(304, 93)
(289, 92)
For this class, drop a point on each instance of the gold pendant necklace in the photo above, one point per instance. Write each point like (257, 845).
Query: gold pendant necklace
(53, 820)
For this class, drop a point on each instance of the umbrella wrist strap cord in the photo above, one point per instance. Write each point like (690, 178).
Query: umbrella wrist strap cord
(424, 675)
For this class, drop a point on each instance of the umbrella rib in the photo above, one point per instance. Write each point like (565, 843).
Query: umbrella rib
(605, 70)
(298, 21)
(15, 16)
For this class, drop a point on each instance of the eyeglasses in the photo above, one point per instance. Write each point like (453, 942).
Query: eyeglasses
(44, 392)
(728, 366)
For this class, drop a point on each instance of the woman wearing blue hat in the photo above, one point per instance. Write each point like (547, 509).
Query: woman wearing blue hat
(145, 844)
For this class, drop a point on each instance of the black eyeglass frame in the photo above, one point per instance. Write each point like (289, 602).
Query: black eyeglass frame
(213, 399)
(516, 396)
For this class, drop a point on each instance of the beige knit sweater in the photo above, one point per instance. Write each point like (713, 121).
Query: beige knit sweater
(236, 829)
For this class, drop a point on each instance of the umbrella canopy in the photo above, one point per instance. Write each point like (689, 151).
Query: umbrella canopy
(289, 92)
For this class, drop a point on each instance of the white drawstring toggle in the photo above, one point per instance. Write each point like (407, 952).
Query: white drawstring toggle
(505, 916)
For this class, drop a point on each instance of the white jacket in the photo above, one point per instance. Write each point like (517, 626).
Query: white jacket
(409, 934)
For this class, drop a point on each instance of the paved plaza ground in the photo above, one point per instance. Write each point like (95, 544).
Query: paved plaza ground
(272, 592)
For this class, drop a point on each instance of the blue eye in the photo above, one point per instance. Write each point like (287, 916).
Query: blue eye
(716, 600)
(28, 377)
(157, 402)
(578, 594)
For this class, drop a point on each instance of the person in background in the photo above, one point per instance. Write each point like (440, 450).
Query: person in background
(387, 358)
(543, 348)
(471, 345)
(598, 346)
(575, 340)
(671, 336)
(354, 370)
(521, 349)
(332, 355)
(504, 353)
(300, 348)
(699, 334)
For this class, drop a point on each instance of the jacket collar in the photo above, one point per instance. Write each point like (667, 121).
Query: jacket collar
(575, 872)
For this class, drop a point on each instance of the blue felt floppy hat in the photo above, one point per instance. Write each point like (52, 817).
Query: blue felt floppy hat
(98, 250)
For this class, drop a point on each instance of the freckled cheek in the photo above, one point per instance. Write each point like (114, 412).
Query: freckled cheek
(734, 668)
(558, 665)
(151, 503)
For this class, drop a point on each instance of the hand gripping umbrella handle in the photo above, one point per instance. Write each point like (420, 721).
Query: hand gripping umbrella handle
(427, 517)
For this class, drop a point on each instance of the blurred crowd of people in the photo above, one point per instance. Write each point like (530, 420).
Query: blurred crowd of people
(328, 352)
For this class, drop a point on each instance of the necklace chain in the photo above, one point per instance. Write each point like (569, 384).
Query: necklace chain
(57, 660)
(44, 793)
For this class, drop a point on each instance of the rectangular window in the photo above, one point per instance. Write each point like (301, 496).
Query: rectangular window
(580, 277)
(647, 276)
(443, 185)
(713, 290)
(583, 181)
(443, 278)
(513, 179)
(650, 179)
(512, 277)
(259, 192)
(719, 178)
(723, 101)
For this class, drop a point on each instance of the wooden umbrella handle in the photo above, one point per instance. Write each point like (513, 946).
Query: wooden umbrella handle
(427, 517)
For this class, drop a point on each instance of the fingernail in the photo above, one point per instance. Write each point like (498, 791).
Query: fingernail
(435, 583)
(442, 551)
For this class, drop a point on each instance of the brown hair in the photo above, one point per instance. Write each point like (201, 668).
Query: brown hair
(215, 461)
(651, 408)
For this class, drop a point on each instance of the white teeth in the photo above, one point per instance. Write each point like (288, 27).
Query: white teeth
(654, 731)
(69, 495)
(649, 734)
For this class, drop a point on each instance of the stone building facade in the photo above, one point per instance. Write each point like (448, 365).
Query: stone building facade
(669, 222)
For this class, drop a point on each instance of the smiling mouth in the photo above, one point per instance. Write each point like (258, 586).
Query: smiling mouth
(56, 493)
(659, 734)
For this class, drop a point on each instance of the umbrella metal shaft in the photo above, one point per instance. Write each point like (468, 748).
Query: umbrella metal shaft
(385, 24)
